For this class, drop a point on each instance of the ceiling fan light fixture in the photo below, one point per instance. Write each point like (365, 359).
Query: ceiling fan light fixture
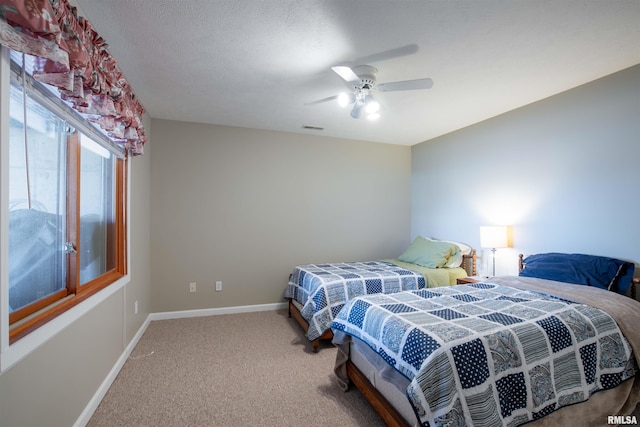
(362, 79)
(372, 106)
(356, 112)
(345, 99)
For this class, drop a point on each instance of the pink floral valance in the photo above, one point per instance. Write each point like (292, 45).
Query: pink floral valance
(74, 58)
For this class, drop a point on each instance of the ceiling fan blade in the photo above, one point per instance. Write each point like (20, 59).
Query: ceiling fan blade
(409, 49)
(346, 73)
(406, 85)
(320, 101)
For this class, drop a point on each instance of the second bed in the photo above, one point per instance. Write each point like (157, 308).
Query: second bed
(317, 292)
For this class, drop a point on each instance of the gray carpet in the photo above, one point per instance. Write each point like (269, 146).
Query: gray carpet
(253, 369)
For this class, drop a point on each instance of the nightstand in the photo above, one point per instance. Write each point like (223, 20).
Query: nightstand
(471, 279)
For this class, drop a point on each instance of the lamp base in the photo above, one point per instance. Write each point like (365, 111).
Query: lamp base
(493, 252)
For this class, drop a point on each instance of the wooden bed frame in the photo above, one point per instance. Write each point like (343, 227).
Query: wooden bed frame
(378, 402)
(328, 335)
(295, 313)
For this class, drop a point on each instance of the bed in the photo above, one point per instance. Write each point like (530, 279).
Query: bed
(317, 292)
(508, 351)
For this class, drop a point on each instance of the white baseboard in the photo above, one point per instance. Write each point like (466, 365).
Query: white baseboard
(216, 311)
(91, 407)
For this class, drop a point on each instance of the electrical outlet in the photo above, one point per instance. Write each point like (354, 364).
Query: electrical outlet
(218, 285)
(192, 287)
(135, 307)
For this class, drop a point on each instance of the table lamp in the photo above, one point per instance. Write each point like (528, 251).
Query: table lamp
(494, 237)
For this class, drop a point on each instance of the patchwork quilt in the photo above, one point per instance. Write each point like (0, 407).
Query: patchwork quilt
(323, 289)
(487, 354)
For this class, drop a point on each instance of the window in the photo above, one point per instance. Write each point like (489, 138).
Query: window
(67, 192)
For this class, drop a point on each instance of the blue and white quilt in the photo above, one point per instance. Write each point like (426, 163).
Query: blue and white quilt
(487, 354)
(323, 289)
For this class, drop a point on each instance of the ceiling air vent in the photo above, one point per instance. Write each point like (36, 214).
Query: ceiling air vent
(312, 127)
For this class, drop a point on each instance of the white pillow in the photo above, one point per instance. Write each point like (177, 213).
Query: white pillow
(456, 261)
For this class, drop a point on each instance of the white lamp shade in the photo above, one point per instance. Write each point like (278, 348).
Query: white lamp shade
(494, 237)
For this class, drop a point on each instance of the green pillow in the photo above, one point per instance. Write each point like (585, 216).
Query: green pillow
(429, 253)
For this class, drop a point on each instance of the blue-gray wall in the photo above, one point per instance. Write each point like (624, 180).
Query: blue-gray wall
(564, 172)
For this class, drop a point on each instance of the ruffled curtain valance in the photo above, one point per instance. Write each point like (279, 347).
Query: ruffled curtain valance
(74, 58)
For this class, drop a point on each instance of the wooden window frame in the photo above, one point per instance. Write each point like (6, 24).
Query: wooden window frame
(29, 318)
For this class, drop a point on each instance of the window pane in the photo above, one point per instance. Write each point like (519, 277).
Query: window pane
(37, 263)
(97, 210)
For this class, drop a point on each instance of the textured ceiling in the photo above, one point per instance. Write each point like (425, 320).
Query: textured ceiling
(255, 64)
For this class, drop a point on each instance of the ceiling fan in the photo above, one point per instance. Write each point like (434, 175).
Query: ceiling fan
(361, 79)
